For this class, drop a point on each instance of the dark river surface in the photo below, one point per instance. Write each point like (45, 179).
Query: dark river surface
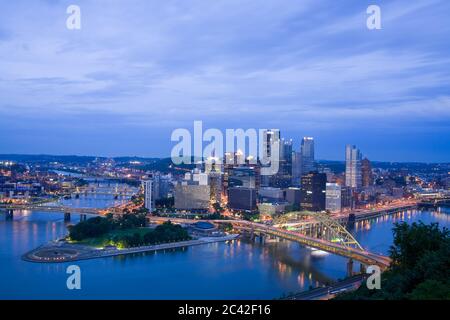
(234, 270)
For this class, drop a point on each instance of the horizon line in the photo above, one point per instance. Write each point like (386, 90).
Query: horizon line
(154, 157)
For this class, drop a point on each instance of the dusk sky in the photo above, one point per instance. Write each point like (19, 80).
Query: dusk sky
(137, 70)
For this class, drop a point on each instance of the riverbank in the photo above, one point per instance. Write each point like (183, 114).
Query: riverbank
(60, 251)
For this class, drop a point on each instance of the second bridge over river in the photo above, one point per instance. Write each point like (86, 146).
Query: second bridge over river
(347, 246)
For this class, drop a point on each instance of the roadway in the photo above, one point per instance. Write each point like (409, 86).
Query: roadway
(329, 292)
(362, 256)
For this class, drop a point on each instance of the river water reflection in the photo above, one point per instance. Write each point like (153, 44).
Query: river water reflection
(234, 270)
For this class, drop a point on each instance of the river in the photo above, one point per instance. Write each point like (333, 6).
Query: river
(233, 270)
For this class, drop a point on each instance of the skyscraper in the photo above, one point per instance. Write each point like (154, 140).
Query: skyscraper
(333, 197)
(242, 198)
(296, 168)
(353, 158)
(366, 173)
(215, 183)
(271, 138)
(313, 191)
(347, 197)
(307, 155)
(193, 192)
(283, 178)
(148, 196)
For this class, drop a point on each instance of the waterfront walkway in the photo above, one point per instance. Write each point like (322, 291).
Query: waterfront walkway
(58, 251)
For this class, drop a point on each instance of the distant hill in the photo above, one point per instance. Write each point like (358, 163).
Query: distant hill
(166, 165)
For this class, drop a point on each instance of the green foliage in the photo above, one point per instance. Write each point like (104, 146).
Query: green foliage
(420, 269)
(250, 216)
(227, 226)
(165, 202)
(127, 231)
(93, 227)
(214, 216)
(98, 226)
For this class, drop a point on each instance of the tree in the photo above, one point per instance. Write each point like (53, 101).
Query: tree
(420, 266)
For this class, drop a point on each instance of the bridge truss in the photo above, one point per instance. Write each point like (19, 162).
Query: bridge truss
(329, 228)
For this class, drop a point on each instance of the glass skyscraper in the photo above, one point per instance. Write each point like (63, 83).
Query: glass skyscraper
(353, 177)
(307, 154)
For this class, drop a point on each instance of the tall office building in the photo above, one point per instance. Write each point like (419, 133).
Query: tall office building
(270, 138)
(215, 183)
(192, 197)
(148, 194)
(246, 175)
(313, 191)
(242, 198)
(347, 197)
(353, 177)
(296, 168)
(307, 154)
(293, 197)
(156, 180)
(333, 197)
(283, 178)
(242, 176)
(366, 173)
(193, 193)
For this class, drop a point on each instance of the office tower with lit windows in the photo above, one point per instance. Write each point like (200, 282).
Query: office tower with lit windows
(347, 197)
(148, 194)
(242, 176)
(313, 191)
(353, 176)
(283, 178)
(270, 144)
(245, 175)
(193, 192)
(270, 137)
(333, 197)
(366, 173)
(307, 155)
(215, 183)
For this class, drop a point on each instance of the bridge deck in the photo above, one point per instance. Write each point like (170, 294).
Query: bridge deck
(59, 209)
(364, 257)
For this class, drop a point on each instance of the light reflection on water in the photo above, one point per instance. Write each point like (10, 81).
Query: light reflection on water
(238, 269)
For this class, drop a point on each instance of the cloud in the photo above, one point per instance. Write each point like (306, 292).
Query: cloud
(250, 63)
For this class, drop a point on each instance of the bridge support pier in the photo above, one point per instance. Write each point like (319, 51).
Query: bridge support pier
(262, 238)
(9, 214)
(66, 216)
(83, 217)
(350, 267)
(351, 221)
(252, 235)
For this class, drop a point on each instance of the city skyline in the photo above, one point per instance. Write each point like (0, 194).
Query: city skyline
(244, 154)
(134, 73)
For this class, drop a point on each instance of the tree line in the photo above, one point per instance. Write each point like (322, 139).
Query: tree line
(102, 226)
